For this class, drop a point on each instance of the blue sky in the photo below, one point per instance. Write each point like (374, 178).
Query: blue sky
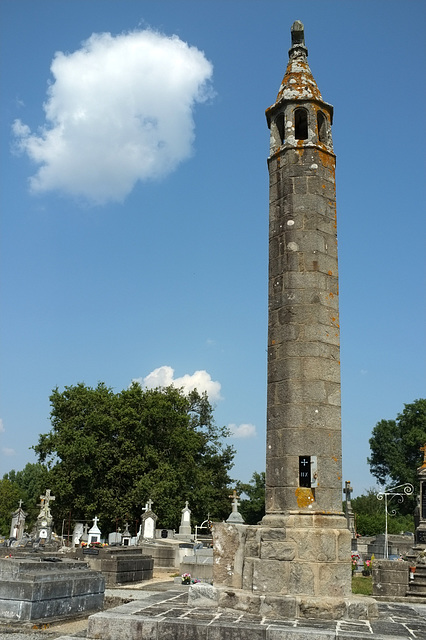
(143, 255)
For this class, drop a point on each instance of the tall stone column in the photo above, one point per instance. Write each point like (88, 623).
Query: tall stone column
(296, 562)
(303, 459)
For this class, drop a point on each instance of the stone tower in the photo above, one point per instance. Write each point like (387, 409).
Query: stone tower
(304, 452)
(296, 562)
(303, 468)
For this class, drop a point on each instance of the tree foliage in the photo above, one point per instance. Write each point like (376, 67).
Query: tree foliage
(26, 485)
(253, 508)
(395, 446)
(108, 453)
(9, 497)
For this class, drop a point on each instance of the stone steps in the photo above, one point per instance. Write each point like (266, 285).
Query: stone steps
(417, 586)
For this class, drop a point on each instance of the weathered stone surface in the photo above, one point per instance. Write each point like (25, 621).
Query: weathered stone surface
(302, 579)
(271, 576)
(277, 551)
(33, 589)
(322, 608)
(390, 578)
(203, 595)
(228, 554)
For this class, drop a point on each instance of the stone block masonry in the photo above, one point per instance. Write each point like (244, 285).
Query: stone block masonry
(170, 616)
(390, 578)
(39, 589)
(297, 562)
(120, 565)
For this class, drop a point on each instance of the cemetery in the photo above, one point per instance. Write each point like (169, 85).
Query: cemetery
(287, 577)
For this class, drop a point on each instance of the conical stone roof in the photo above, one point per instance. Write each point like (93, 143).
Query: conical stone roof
(298, 82)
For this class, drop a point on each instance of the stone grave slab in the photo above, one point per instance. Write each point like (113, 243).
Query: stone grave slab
(119, 565)
(34, 589)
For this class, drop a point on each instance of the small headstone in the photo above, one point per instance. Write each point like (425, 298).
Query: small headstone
(18, 523)
(77, 534)
(114, 538)
(126, 537)
(85, 536)
(185, 522)
(149, 518)
(94, 532)
(235, 516)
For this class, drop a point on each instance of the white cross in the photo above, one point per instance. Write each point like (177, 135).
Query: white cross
(95, 520)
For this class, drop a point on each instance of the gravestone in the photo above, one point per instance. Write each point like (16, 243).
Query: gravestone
(18, 523)
(126, 536)
(149, 519)
(114, 538)
(85, 536)
(94, 532)
(235, 516)
(77, 534)
(185, 521)
(350, 516)
(44, 522)
(39, 589)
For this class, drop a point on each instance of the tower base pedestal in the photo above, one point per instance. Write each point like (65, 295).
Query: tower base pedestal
(298, 568)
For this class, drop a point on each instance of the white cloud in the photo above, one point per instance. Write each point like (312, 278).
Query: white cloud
(8, 452)
(242, 430)
(200, 380)
(119, 110)
(2, 429)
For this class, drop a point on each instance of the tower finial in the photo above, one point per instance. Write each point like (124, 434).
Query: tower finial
(298, 39)
(297, 33)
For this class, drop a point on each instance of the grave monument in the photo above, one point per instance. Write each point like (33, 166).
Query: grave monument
(297, 562)
(149, 519)
(17, 525)
(350, 516)
(44, 522)
(235, 516)
(94, 532)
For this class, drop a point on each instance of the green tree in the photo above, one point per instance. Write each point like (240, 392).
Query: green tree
(108, 453)
(9, 499)
(31, 483)
(370, 515)
(395, 447)
(253, 508)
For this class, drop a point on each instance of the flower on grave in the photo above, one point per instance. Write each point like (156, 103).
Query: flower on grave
(195, 581)
(354, 562)
(84, 544)
(368, 566)
(186, 578)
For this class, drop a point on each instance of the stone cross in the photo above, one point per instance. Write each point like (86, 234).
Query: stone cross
(347, 491)
(149, 505)
(186, 504)
(20, 504)
(45, 501)
(235, 503)
(95, 521)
